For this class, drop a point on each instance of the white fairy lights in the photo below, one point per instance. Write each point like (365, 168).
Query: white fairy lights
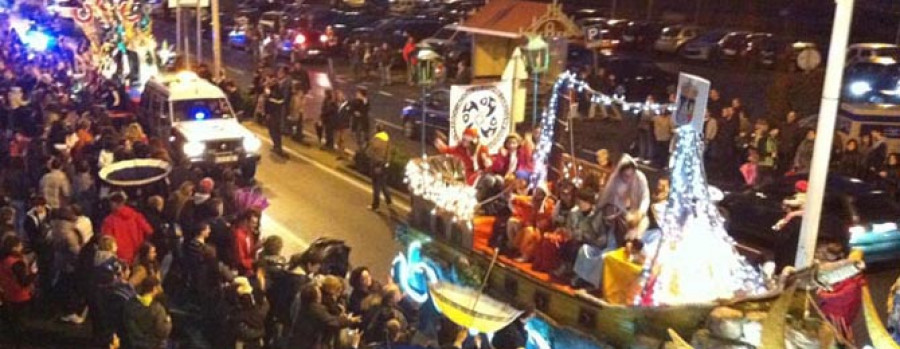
(448, 194)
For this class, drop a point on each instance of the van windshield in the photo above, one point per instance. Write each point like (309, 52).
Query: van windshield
(201, 109)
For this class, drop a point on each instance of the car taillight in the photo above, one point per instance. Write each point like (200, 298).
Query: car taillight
(300, 39)
(323, 38)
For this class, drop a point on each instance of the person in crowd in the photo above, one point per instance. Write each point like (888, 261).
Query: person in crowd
(767, 148)
(199, 208)
(789, 139)
(750, 169)
(327, 121)
(244, 241)
(84, 186)
(851, 160)
(295, 114)
(379, 153)
(514, 335)
(364, 286)
(284, 292)
(384, 58)
(865, 144)
(409, 49)
(645, 137)
(515, 157)
(582, 222)
(247, 316)
(740, 113)
(146, 264)
(342, 122)
(278, 93)
(178, 199)
(134, 133)
(473, 155)
(876, 155)
(147, 322)
(355, 57)
(55, 185)
(16, 281)
(37, 230)
(67, 243)
(889, 173)
(715, 104)
(317, 321)
(663, 130)
(629, 192)
(127, 226)
(375, 320)
(532, 215)
(803, 156)
(359, 122)
(301, 77)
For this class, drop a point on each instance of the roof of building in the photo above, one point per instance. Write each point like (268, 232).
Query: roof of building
(514, 18)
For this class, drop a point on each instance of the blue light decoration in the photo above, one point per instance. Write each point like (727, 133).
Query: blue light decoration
(413, 273)
(200, 112)
(38, 41)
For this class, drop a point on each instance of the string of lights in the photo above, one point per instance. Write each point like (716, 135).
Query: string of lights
(446, 192)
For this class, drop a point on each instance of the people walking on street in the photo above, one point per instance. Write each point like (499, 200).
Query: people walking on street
(385, 59)
(276, 103)
(342, 123)
(379, 154)
(359, 123)
(295, 114)
(409, 50)
(16, 281)
(328, 120)
(147, 323)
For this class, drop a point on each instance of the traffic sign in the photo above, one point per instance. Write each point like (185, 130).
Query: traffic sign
(593, 36)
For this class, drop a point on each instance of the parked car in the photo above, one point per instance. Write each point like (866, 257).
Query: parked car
(731, 45)
(639, 35)
(577, 14)
(772, 52)
(704, 47)
(871, 52)
(447, 38)
(437, 113)
(855, 214)
(672, 38)
(871, 82)
(393, 31)
(636, 78)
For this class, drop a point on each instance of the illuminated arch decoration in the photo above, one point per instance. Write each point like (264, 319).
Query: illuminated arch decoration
(413, 273)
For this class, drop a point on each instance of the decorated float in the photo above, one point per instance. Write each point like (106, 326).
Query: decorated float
(693, 283)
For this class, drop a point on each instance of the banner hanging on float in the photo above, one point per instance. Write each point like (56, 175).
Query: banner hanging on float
(486, 108)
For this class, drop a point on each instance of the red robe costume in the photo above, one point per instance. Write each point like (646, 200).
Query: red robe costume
(473, 162)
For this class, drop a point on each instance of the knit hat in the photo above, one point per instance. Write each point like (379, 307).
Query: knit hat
(206, 185)
(801, 186)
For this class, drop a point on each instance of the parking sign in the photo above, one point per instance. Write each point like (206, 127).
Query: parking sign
(593, 36)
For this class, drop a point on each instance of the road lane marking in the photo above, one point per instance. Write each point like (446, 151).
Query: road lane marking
(385, 93)
(271, 226)
(354, 182)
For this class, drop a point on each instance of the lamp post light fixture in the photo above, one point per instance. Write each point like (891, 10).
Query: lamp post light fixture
(426, 66)
(537, 60)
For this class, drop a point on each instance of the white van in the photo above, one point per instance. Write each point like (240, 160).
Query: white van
(196, 116)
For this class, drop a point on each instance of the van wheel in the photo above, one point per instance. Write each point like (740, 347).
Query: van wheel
(409, 129)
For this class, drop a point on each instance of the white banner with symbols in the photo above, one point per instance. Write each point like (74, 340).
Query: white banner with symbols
(486, 108)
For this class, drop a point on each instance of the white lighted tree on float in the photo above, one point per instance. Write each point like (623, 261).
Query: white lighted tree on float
(695, 260)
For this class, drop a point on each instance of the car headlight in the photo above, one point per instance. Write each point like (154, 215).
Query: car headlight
(859, 88)
(251, 144)
(194, 149)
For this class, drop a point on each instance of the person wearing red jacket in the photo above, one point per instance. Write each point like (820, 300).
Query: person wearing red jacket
(474, 156)
(127, 226)
(410, 58)
(245, 241)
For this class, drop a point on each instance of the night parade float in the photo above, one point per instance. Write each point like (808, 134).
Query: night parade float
(693, 283)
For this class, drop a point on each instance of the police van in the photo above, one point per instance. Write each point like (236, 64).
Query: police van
(200, 123)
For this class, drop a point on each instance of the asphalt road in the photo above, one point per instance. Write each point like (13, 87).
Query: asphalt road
(312, 198)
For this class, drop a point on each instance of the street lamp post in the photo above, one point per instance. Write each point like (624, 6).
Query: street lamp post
(426, 64)
(537, 60)
(809, 231)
